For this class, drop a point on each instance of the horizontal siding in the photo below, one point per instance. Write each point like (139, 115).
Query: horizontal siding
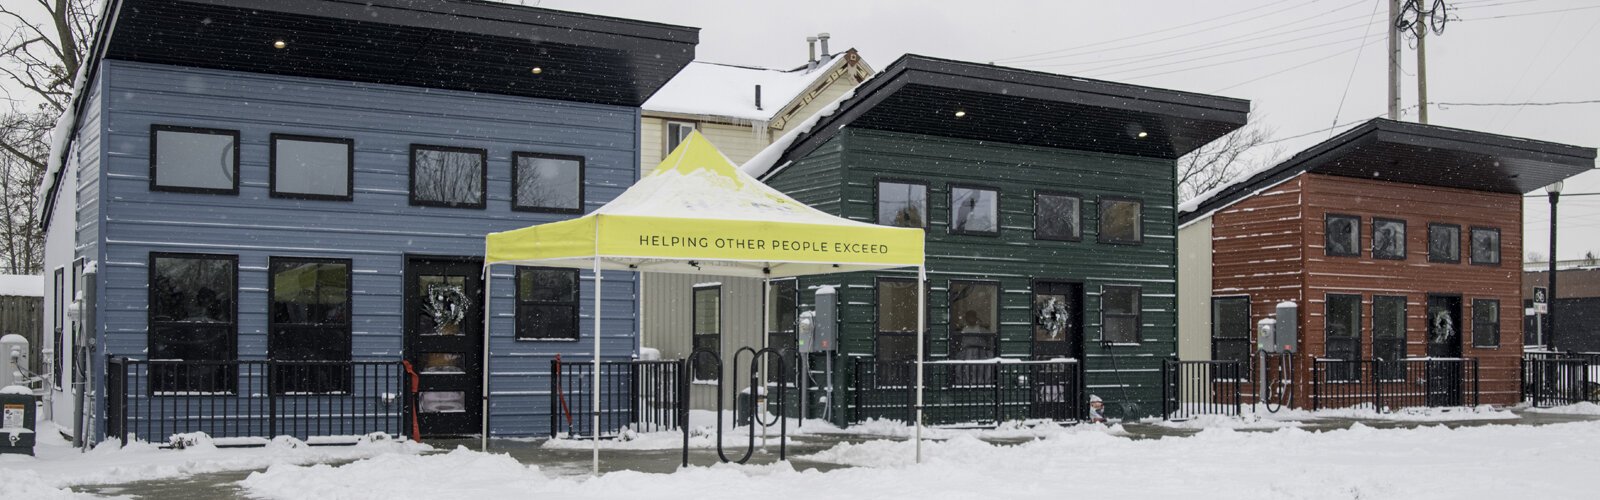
(668, 307)
(376, 230)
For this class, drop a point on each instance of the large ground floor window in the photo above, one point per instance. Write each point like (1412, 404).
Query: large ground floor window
(309, 324)
(193, 316)
(1231, 334)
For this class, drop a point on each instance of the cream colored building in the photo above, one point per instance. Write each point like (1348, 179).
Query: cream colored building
(721, 102)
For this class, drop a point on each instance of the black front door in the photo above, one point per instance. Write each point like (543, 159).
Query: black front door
(444, 342)
(1444, 377)
(1057, 314)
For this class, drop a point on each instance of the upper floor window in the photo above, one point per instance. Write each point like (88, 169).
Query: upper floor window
(1057, 216)
(1121, 220)
(547, 304)
(1486, 246)
(1341, 235)
(547, 183)
(1388, 239)
(194, 160)
(974, 210)
(903, 204)
(677, 132)
(448, 176)
(312, 167)
(309, 321)
(193, 313)
(1444, 243)
(1119, 314)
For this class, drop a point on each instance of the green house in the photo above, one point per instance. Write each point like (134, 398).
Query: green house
(1049, 203)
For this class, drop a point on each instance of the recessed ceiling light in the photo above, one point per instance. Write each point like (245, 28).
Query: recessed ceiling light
(537, 70)
(279, 44)
(1143, 134)
(960, 114)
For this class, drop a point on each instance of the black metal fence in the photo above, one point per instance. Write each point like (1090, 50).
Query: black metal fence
(1192, 388)
(969, 392)
(643, 396)
(1420, 382)
(1556, 379)
(156, 399)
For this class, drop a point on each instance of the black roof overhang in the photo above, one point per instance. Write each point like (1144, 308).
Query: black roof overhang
(469, 45)
(1426, 155)
(919, 94)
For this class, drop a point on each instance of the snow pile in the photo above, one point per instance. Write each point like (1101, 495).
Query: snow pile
(1441, 414)
(1584, 408)
(1361, 462)
(22, 285)
(1247, 421)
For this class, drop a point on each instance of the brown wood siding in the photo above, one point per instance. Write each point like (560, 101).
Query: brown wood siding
(1257, 249)
(1416, 277)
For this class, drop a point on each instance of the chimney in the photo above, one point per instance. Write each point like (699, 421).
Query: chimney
(758, 97)
(811, 49)
(823, 37)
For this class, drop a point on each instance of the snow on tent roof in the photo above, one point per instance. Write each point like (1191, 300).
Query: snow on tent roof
(25, 285)
(713, 89)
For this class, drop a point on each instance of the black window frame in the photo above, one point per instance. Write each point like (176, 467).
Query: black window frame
(309, 378)
(59, 356)
(1472, 249)
(950, 316)
(1389, 351)
(483, 176)
(1077, 225)
(1327, 236)
(1345, 371)
(228, 379)
(156, 129)
(784, 340)
(894, 372)
(525, 305)
(1100, 218)
(516, 165)
(668, 138)
(1137, 315)
(950, 211)
(1405, 231)
(1431, 257)
(1495, 326)
(1246, 340)
(927, 198)
(272, 167)
(697, 339)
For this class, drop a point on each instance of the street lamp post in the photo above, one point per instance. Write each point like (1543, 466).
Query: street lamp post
(1555, 196)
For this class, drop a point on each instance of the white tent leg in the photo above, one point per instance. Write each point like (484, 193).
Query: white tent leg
(488, 277)
(922, 324)
(594, 391)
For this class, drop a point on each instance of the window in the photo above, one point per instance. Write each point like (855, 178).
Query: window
(312, 167)
(194, 160)
(1231, 334)
(677, 132)
(547, 304)
(59, 357)
(1388, 239)
(1342, 320)
(1444, 243)
(547, 183)
(1389, 335)
(193, 316)
(903, 204)
(707, 330)
(974, 319)
(1485, 323)
(448, 177)
(974, 210)
(1486, 246)
(1119, 314)
(1341, 235)
(781, 316)
(1057, 217)
(309, 321)
(897, 329)
(1120, 221)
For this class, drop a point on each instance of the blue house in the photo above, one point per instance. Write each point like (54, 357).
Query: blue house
(262, 208)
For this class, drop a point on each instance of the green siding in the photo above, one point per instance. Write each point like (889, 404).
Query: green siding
(1123, 375)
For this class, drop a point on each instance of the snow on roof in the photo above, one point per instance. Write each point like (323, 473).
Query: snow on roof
(762, 164)
(21, 285)
(704, 88)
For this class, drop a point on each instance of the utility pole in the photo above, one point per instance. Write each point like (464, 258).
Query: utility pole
(1394, 59)
(1422, 73)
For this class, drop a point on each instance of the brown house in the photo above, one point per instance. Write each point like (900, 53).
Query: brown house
(1401, 245)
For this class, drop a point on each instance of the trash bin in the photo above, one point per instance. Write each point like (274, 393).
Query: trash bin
(17, 415)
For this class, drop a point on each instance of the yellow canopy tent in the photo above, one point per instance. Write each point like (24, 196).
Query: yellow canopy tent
(697, 213)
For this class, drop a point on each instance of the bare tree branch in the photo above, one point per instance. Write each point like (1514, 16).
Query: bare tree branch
(1221, 161)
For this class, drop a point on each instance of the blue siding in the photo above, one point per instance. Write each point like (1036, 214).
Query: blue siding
(376, 230)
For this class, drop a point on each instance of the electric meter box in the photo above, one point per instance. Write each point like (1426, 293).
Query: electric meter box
(825, 321)
(17, 420)
(1287, 334)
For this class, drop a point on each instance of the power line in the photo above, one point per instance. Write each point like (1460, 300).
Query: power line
(1139, 59)
(1225, 63)
(1130, 37)
(1295, 67)
(1508, 16)
(1355, 65)
(1546, 103)
(1079, 50)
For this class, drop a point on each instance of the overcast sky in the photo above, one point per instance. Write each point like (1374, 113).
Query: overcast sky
(1295, 60)
(1304, 64)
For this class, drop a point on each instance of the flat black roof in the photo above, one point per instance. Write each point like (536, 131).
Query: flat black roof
(1414, 153)
(470, 45)
(921, 94)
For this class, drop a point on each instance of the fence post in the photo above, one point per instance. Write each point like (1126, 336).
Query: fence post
(1377, 385)
(1166, 410)
(682, 382)
(1316, 387)
(272, 401)
(997, 393)
(1477, 395)
(555, 397)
